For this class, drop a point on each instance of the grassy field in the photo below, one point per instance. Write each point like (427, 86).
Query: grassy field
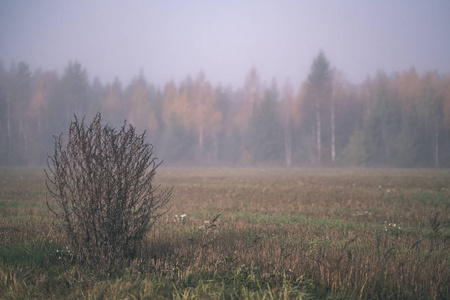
(279, 234)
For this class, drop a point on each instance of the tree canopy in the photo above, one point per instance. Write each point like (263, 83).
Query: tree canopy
(400, 119)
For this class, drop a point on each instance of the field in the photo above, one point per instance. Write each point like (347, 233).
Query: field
(249, 234)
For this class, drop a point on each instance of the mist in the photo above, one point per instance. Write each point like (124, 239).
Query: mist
(232, 83)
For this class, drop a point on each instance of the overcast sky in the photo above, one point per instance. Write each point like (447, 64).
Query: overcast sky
(172, 39)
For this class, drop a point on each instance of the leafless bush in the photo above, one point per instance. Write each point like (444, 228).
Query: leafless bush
(102, 182)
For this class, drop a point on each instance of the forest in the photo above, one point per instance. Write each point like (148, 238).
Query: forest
(390, 120)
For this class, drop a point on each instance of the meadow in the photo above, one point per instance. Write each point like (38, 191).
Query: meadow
(249, 234)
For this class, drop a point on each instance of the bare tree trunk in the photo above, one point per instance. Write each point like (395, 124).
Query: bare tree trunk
(8, 115)
(200, 140)
(22, 133)
(288, 144)
(215, 148)
(333, 137)
(318, 133)
(436, 146)
(39, 125)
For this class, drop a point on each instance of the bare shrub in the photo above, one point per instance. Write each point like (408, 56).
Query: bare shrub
(102, 182)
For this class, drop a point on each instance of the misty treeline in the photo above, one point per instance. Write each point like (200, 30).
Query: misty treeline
(398, 120)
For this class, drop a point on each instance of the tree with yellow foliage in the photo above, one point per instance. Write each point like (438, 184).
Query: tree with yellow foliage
(206, 118)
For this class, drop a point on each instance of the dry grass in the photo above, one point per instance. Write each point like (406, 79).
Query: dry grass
(337, 234)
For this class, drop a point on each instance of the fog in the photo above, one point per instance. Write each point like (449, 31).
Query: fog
(172, 39)
(233, 82)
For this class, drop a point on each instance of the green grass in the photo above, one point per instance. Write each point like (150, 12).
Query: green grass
(29, 254)
(281, 234)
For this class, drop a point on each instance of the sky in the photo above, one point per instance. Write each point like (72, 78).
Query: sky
(170, 40)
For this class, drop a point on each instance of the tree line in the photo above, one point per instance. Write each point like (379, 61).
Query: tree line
(400, 120)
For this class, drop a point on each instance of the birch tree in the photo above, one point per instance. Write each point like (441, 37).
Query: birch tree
(288, 112)
(113, 106)
(431, 105)
(318, 99)
(206, 117)
(140, 112)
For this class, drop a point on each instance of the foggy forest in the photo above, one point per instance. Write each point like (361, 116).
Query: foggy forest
(389, 120)
(224, 149)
